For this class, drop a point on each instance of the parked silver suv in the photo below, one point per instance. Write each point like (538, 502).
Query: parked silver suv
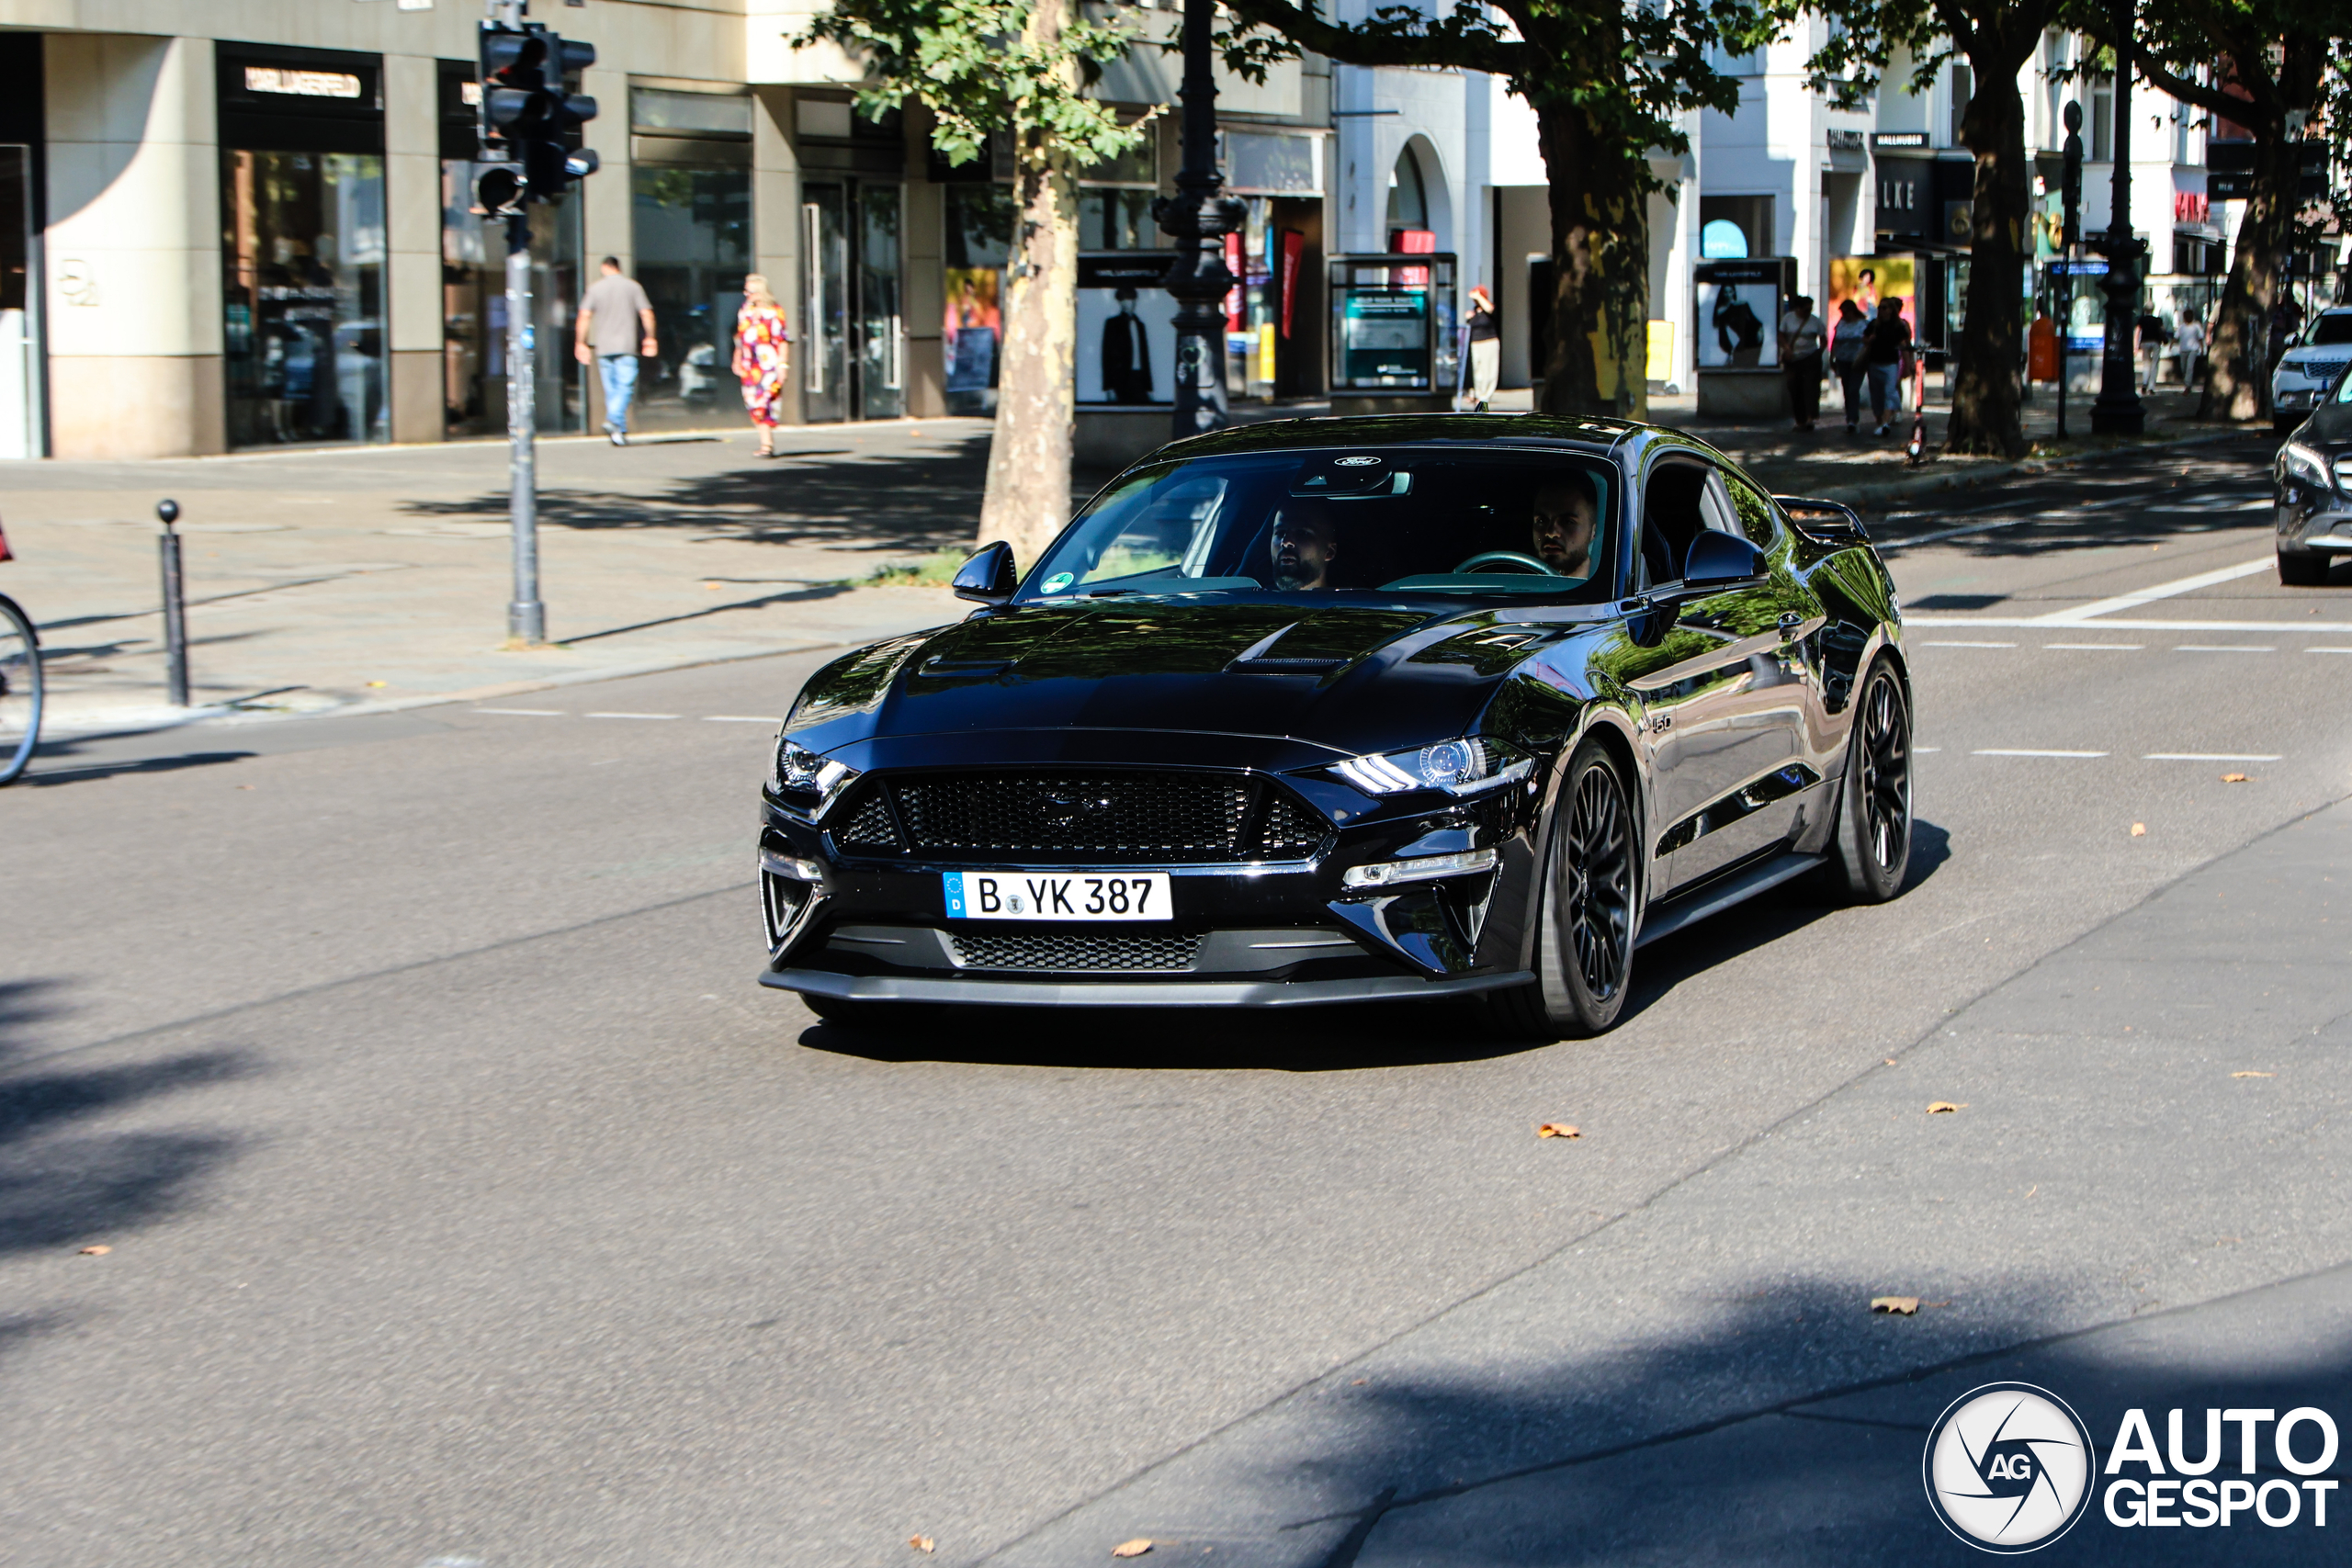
(2308, 368)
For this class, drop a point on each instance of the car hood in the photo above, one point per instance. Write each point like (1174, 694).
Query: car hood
(1343, 678)
(2330, 426)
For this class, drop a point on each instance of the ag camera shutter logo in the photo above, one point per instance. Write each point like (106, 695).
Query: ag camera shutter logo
(2009, 1468)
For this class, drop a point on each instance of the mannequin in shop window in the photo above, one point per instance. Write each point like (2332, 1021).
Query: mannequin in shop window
(1126, 355)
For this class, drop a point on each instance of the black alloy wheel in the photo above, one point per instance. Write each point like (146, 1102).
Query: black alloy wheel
(1584, 957)
(1873, 846)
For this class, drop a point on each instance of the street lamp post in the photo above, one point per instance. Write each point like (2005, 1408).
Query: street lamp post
(1198, 217)
(2118, 410)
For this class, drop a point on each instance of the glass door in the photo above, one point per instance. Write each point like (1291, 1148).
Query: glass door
(881, 324)
(20, 380)
(825, 362)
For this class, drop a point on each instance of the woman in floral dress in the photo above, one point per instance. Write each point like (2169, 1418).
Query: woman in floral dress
(763, 358)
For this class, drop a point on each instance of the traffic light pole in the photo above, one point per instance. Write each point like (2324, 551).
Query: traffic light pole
(527, 617)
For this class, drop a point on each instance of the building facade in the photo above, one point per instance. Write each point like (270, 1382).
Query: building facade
(233, 226)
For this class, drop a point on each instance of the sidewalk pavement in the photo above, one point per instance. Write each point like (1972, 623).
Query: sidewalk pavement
(362, 580)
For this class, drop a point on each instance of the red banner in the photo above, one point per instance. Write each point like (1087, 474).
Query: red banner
(1293, 246)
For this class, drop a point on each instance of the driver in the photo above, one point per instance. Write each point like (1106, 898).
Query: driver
(1566, 511)
(1305, 545)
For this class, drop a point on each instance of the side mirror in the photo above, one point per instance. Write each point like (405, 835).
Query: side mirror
(1824, 521)
(1721, 560)
(988, 578)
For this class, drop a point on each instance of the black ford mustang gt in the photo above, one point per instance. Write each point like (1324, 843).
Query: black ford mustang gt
(1338, 710)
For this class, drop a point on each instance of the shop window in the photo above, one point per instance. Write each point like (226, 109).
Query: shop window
(303, 259)
(692, 235)
(978, 237)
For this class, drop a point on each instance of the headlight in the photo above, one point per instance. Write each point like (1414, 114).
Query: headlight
(2301, 463)
(1467, 766)
(807, 782)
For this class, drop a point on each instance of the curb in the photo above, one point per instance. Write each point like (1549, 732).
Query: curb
(1879, 493)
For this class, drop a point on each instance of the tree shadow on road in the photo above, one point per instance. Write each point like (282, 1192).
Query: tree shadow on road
(61, 1184)
(1788, 1428)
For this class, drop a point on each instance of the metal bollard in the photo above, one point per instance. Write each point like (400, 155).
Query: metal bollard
(174, 606)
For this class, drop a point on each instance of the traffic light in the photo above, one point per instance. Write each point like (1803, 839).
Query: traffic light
(529, 118)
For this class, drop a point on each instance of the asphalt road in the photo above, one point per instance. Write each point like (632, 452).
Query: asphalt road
(467, 1202)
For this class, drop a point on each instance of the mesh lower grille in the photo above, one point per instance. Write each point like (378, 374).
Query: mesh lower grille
(1083, 955)
(868, 828)
(1165, 817)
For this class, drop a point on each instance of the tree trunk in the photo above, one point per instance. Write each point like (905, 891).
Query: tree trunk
(1600, 275)
(1984, 393)
(1028, 499)
(2237, 385)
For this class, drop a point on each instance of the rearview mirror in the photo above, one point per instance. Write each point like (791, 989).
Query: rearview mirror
(1824, 521)
(1721, 560)
(988, 578)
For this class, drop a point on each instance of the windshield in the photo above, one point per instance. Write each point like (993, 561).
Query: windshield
(2335, 327)
(1395, 520)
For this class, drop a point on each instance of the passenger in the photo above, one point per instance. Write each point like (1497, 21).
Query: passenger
(1566, 510)
(1305, 545)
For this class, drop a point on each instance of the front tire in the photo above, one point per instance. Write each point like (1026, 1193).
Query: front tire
(1872, 850)
(2302, 569)
(1586, 916)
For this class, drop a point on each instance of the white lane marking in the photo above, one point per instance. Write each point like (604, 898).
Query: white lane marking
(2161, 590)
(525, 712)
(2012, 751)
(2328, 650)
(1968, 645)
(737, 718)
(2210, 757)
(2006, 623)
(632, 716)
(1918, 750)
(2099, 647)
(2222, 648)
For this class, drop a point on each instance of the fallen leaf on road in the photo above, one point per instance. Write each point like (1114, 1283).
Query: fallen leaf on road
(923, 1543)
(2254, 1075)
(2138, 829)
(2235, 778)
(95, 1251)
(1558, 1130)
(1890, 1061)
(1942, 1107)
(379, 683)
(1134, 1547)
(1907, 1305)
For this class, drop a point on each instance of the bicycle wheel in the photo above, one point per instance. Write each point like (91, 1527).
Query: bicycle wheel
(20, 691)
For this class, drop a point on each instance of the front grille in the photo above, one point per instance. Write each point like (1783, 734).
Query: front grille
(1157, 818)
(868, 828)
(1081, 955)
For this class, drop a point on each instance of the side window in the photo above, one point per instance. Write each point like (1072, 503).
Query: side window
(1673, 514)
(1759, 519)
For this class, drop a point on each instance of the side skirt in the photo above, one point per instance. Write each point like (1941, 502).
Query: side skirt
(1716, 897)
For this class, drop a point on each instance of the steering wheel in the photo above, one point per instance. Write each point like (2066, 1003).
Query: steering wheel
(1510, 559)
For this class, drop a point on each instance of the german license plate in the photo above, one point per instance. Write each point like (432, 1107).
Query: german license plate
(1057, 895)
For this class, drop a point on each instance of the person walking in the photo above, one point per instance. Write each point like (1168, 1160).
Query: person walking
(2191, 337)
(1886, 353)
(1800, 336)
(1846, 358)
(763, 358)
(1485, 347)
(615, 329)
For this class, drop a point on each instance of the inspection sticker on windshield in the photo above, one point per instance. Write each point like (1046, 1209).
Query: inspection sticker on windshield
(1055, 895)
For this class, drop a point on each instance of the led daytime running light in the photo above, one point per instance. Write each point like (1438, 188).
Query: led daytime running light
(1424, 868)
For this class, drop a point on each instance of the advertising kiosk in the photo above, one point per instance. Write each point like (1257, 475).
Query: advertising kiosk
(1736, 336)
(1393, 333)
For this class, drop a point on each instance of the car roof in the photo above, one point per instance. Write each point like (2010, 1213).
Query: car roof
(1594, 435)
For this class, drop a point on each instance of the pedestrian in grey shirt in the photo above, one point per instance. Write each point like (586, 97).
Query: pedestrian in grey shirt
(615, 329)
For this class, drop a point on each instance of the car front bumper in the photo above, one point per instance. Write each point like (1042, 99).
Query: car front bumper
(1271, 934)
(2320, 528)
